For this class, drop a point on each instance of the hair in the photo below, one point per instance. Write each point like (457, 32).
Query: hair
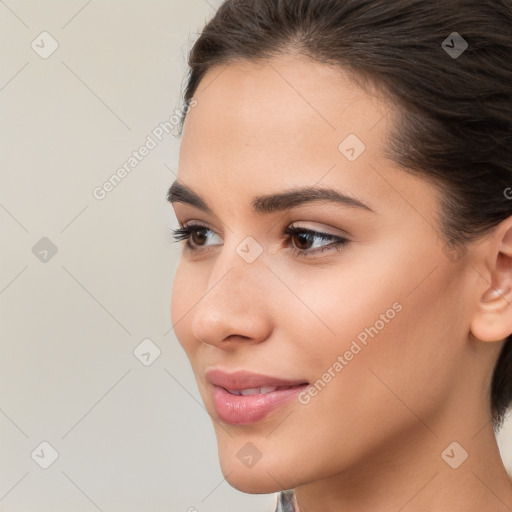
(454, 126)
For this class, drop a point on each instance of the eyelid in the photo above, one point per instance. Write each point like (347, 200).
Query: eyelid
(337, 242)
(196, 226)
(338, 232)
(313, 230)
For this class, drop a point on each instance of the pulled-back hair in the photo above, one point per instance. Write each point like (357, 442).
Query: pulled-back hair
(454, 126)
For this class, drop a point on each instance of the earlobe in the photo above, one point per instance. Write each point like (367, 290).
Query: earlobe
(492, 320)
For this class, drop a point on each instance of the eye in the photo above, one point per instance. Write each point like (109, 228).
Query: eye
(305, 236)
(196, 234)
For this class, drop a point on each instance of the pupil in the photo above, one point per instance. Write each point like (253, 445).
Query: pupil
(303, 237)
(202, 233)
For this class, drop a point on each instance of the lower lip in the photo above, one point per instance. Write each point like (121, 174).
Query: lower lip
(242, 410)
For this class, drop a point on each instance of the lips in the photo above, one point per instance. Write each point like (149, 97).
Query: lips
(248, 381)
(242, 397)
(257, 391)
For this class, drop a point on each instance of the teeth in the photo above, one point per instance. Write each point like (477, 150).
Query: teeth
(268, 389)
(255, 391)
(250, 391)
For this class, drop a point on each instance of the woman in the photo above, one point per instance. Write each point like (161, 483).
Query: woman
(344, 293)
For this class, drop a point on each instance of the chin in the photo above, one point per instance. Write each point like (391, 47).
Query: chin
(252, 477)
(251, 481)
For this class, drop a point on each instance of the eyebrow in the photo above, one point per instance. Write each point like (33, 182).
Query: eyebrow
(179, 192)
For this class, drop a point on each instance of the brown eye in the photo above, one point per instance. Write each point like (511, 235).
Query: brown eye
(198, 235)
(304, 238)
(195, 235)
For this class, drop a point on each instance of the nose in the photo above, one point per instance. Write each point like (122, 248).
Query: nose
(235, 307)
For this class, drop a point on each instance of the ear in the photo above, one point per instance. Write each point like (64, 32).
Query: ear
(492, 320)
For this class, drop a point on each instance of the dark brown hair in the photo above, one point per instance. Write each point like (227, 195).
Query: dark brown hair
(455, 122)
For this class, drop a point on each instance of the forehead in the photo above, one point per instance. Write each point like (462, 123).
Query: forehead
(284, 100)
(267, 125)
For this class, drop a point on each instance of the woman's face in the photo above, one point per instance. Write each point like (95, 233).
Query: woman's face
(375, 323)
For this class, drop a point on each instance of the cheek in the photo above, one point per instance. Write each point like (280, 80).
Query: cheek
(392, 349)
(376, 342)
(336, 306)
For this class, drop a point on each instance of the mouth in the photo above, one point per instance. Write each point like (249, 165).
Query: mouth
(249, 382)
(262, 390)
(241, 397)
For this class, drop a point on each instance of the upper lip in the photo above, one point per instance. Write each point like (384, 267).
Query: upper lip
(241, 379)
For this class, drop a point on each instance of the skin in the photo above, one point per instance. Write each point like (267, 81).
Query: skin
(372, 438)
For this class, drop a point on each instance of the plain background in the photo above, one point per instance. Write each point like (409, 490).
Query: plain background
(129, 436)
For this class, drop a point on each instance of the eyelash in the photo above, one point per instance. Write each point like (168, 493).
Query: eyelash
(184, 233)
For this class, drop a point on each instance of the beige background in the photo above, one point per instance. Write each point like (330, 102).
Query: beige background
(129, 437)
